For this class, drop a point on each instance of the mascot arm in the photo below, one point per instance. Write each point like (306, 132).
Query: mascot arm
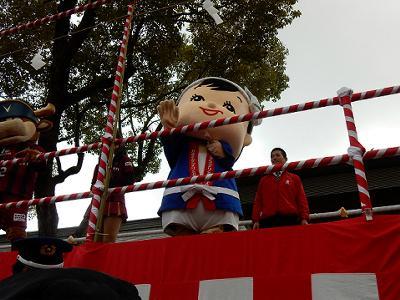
(172, 148)
(215, 148)
(169, 113)
(227, 161)
(30, 153)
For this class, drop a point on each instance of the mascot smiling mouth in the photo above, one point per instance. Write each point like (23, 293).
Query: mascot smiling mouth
(211, 112)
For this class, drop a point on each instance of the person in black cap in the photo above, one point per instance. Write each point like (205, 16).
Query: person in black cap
(66, 284)
(39, 253)
(38, 274)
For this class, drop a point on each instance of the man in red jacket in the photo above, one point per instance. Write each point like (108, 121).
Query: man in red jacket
(280, 198)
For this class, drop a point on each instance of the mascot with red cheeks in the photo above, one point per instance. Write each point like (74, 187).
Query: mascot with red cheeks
(20, 127)
(205, 207)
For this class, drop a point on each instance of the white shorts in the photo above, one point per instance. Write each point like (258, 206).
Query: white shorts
(200, 219)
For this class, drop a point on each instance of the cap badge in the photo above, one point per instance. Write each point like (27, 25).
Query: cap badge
(7, 109)
(48, 250)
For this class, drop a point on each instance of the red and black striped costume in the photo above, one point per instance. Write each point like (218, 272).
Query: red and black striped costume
(17, 182)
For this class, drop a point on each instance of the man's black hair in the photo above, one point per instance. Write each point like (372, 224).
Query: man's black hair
(119, 152)
(280, 150)
(219, 85)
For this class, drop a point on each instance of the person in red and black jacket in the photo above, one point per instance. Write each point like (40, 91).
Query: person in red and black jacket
(280, 199)
(114, 213)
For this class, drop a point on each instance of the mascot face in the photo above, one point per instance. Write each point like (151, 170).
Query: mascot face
(214, 99)
(16, 130)
(20, 123)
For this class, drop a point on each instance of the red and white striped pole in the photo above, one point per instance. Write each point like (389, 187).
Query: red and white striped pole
(98, 189)
(356, 152)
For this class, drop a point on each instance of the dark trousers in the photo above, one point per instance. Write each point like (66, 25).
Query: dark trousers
(279, 220)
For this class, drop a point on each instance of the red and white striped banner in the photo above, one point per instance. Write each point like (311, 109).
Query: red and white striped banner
(346, 260)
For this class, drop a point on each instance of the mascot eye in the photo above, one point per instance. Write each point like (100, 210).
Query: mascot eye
(228, 105)
(196, 97)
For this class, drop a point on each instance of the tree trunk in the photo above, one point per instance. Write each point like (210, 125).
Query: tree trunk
(45, 186)
(57, 94)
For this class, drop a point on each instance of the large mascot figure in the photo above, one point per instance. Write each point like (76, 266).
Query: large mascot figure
(210, 206)
(19, 131)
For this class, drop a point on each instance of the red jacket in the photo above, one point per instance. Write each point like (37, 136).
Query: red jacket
(122, 173)
(283, 196)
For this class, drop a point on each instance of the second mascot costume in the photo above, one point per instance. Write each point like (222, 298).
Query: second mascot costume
(208, 206)
(20, 127)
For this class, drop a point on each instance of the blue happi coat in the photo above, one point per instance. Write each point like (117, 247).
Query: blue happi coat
(176, 150)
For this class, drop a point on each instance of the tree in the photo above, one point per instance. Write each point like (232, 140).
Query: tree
(172, 43)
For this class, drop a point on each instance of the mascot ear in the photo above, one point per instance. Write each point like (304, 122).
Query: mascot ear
(49, 110)
(44, 125)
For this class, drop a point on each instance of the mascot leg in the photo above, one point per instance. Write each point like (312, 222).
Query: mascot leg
(214, 229)
(13, 222)
(14, 233)
(175, 229)
(198, 220)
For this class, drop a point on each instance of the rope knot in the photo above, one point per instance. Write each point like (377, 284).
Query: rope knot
(356, 152)
(107, 137)
(98, 185)
(342, 93)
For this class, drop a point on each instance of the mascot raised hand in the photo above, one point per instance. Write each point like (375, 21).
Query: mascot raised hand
(20, 126)
(205, 207)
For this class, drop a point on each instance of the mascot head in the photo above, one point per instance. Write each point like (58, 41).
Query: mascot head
(19, 123)
(214, 98)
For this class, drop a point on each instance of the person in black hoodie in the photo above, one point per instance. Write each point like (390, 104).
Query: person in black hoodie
(66, 284)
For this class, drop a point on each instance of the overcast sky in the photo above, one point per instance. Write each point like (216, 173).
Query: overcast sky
(334, 43)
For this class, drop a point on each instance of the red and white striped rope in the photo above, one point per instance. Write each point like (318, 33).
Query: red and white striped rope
(297, 165)
(356, 152)
(218, 122)
(98, 187)
(52, 154)
(51, 18)
(47, 200)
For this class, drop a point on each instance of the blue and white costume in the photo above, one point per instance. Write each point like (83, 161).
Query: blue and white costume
(185, 159)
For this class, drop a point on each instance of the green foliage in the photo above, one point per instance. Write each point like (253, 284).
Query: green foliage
(172, 43)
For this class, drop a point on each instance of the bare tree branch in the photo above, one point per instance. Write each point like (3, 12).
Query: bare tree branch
(82, 31)
(70, 171)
